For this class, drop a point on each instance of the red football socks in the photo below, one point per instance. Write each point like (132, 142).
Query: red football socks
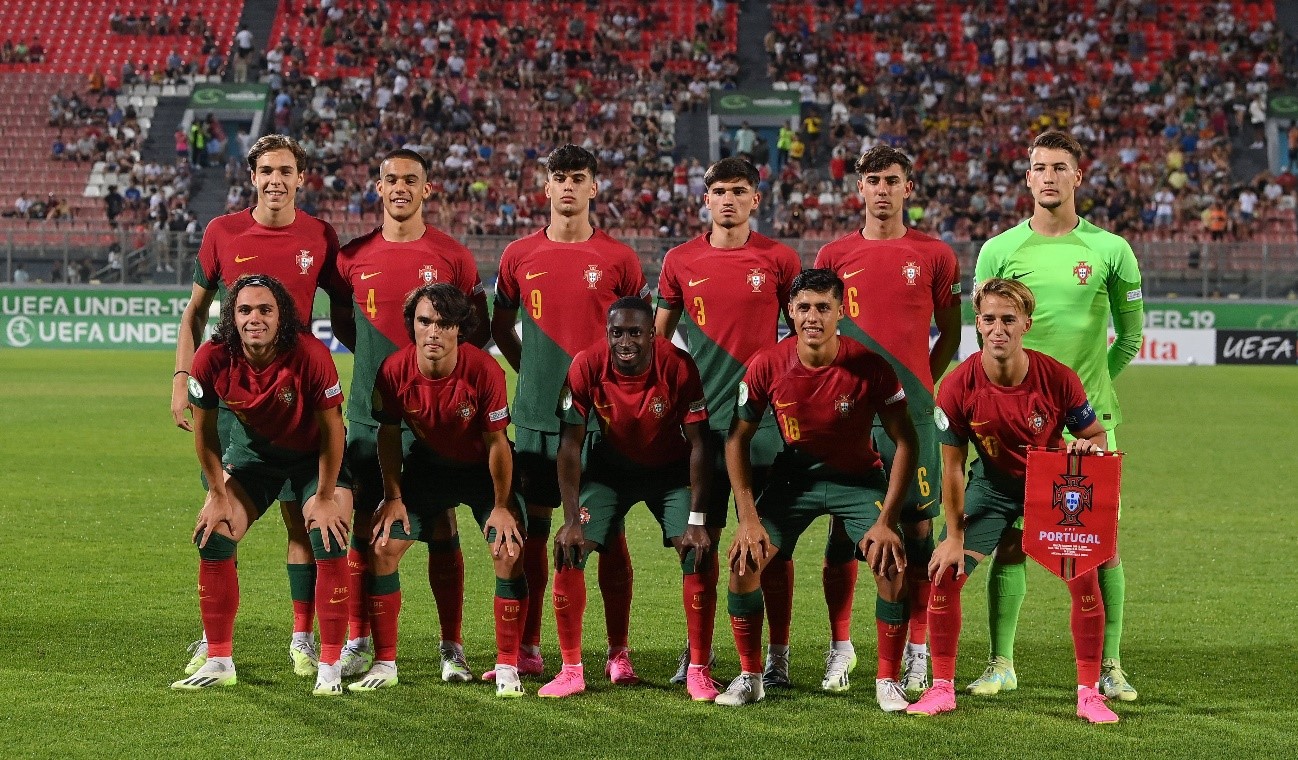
(333, 591)
(446, 577)
(840, 587)
(919, 590)
(1087, 623)
(358, 622)
(385, 610)
(536, 566)
(218, 601)
(748, 640)
(615, 586)
(569, 597)
(777, 591)
(699, 592)
(509, 615)
(944, 624)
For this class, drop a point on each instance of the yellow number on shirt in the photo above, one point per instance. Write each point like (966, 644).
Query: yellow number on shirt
(791, 430)
(536, 304)
(370, 307)
(853, 308)
(700, 316)
(920, 473)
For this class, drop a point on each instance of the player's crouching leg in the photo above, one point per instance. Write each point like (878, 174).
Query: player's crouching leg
(218, 599)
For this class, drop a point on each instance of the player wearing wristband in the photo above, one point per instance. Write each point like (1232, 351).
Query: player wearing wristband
(283, 390)
(726, 290)
(1003, 400)
(452, 397)
(646, 396)
(898, 282)
(1081, 277)
(824, 390)
(277, 239)
(377, 272)
(560, 281)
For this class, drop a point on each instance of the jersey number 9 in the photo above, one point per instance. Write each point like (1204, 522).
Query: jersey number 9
(536, 304)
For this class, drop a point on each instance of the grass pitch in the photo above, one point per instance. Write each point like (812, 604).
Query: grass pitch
(98, 494)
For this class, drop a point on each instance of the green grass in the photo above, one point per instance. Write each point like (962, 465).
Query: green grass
(98, 493)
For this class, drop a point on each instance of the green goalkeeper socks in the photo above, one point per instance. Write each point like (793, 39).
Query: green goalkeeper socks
(1113, 590)
(1006, 587)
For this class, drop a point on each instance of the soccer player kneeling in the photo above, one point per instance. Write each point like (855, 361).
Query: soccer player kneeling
(282, 387)
(825, 390)
(651, 447)
(452, 396)
(1005, 399)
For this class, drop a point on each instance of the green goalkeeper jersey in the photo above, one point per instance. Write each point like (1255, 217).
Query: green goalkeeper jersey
(1079, 280)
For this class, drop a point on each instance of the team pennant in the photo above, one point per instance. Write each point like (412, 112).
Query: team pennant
(1070, 510)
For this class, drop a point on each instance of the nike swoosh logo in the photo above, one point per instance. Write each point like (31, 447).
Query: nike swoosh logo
(696, 283)
(337, 601)
(979, 424)
(1092, 608)
(241, 259)
(534, 275)
(368, 275)
(932, 607)
(783, 404)
(926, 505)
(235, 403)
(504, 619)
(603, 406)
(850, 275)
(412, 411)
(1021, 275)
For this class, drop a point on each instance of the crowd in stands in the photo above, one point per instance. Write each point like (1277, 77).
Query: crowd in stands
(1157, 114)
(22, 51)
(160, 22)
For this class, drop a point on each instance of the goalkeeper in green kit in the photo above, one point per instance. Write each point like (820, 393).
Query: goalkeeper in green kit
(1081, 275)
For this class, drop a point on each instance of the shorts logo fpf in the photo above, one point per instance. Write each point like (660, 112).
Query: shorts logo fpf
(592, 275)
(911, 272)
(756, 278)
(1083, 272)
(305, 260)
(1072, 497)
(428, 275)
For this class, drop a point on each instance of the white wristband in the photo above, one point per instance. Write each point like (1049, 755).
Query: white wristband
(698, 518)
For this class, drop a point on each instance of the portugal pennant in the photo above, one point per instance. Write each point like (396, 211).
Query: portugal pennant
(1070, 510)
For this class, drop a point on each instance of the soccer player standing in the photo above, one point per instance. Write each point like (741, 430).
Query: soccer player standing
(648, 401)
(281, 387)
(1005, 399)
(825, 390)
(898, 282)
(453, 399)
(727, 289)
(276, 238)
(377, 271)
(1081, 276)
(561, 280)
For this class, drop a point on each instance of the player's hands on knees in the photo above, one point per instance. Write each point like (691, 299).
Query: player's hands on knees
(695, 537)
(569, 546)
(180, 402)
(884, 551)
(751, 548)
(329, 515)
(389, 513)
(508, 537)
(949, 555)
(216, 510)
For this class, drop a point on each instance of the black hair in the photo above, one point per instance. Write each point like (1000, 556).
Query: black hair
(882, 156)
(817, 281)
(407, 154)
(631, 303)
(571, 158)
(448, 301)
(732, 169)
(290, 322)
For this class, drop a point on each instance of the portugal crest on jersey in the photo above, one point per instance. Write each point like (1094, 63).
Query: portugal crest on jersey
(465, 410)
(844, 404)
(592, 275)
(658, 406)
(1037, 421)
(1083, 272)
(910, 272)
(1071, 498)
(286, 395)
(304, 260)
(756, 278)
(428, 275)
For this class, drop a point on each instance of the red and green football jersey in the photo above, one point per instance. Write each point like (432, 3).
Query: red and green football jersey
(448, 415)
(1002, 422)
(301, 255)
(730, 300)
(824, 413)
(641, 417)
(891, 290)
(276, 405)
(377, 275)
(562, 291)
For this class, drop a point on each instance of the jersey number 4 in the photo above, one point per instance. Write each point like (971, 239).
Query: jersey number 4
(371, 307)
